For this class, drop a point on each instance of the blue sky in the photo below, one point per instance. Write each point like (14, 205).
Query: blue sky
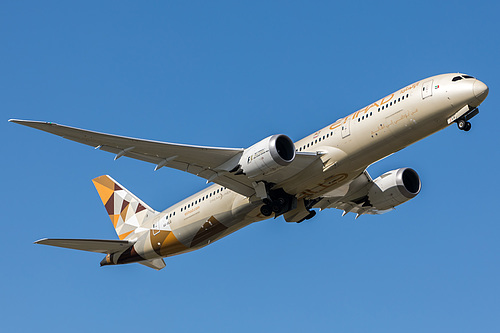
(226, 73)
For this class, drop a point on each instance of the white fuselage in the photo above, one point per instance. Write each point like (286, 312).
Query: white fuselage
(348, 147)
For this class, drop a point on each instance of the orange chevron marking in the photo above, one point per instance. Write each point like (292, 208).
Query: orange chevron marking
(123, 236)
(171, 245)
(114, 219)
(104, 187)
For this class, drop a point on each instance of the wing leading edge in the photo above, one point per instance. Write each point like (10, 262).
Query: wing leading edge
(210, 163)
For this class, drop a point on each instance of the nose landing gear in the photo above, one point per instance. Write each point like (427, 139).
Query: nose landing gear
(463, 122)
(463, 125)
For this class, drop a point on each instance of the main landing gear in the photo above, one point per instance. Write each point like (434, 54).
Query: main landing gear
(277, 202)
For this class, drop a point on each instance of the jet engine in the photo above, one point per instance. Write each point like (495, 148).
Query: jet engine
(267, 156)
(394, 188)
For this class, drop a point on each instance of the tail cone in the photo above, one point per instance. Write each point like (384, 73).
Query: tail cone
(107, 261)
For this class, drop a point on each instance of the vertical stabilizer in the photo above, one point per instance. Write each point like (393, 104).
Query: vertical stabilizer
(126, 211)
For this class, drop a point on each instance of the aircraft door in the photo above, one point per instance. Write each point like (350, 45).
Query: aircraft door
(156, 227)
(346, 128)
(427, 89)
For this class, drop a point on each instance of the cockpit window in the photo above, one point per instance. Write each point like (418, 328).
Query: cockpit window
(456, 78)
(468, 77)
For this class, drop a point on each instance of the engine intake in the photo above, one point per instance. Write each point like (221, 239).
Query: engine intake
(394, 188)
(267, 156)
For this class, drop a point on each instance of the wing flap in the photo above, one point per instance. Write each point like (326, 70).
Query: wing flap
(351, 197)
(91, 245)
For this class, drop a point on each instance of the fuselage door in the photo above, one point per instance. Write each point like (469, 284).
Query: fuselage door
(427, 89)
(156, 227)
(346, 130)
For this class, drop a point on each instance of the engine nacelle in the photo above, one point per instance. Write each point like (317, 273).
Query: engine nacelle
(267, 156)
(394, 188)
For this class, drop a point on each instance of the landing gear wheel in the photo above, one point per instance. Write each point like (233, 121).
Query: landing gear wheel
(266, 210)
(276, 207)
(462, 124)
(468, 126)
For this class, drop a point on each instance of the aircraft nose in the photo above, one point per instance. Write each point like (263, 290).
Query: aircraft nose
(480, 90)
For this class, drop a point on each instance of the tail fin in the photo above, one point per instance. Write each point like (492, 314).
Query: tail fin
(126, 211)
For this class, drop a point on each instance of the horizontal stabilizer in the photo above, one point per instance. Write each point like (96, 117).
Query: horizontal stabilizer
(155, 263)
(91, 245)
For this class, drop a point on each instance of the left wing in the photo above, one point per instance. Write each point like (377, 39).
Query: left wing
(210, 163)
(352, 197)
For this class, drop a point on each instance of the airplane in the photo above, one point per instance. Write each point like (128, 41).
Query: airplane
(274, 177)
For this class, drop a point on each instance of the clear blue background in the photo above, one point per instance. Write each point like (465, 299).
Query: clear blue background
(227, 73)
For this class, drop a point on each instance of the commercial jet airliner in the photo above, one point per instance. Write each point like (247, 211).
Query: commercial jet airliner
(274, 177)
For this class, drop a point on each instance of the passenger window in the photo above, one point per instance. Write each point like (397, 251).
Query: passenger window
(468, 77)
(456, 78)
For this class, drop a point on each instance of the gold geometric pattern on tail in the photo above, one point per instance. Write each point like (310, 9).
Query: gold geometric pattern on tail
(126, 211)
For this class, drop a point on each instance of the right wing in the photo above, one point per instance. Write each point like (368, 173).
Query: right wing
(91, 245)
(210, 163)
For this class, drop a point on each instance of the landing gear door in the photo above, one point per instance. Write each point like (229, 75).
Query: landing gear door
(346, 130)
(427, 89)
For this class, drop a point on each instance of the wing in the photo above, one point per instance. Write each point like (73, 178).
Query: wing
(91, 245)
(351, 197)
(210, 163)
